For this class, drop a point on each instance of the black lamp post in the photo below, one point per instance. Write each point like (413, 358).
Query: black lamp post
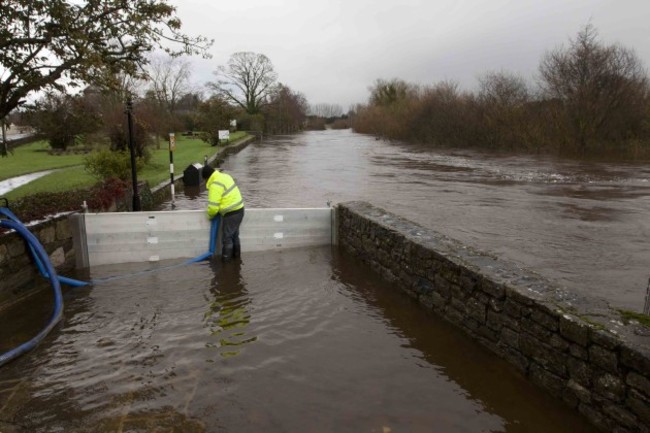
(134, 175)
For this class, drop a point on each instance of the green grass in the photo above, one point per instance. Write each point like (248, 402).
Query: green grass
(188, 150)
(35, 158)
(64, 180)
(629, 316)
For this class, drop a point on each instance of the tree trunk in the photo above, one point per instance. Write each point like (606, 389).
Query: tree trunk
(3, 145)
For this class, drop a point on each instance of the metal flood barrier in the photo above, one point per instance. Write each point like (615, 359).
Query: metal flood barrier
(116, 237)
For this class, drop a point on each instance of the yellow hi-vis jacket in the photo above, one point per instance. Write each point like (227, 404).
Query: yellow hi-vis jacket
(223, 194)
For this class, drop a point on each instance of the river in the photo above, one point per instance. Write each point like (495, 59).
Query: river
(581, 224)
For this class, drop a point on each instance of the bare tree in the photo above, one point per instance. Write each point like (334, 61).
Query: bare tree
(388, 92)
(247, 80)
(600, 92)
(286, 111)
(502, 103)
(502, 89)
(326, 110)
(170, 79)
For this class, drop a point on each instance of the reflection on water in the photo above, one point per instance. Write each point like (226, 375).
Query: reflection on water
(228, 316)
(304, 340)
(192, 192)
(582, 224)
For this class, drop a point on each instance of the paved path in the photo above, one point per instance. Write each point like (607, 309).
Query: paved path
(14, 182)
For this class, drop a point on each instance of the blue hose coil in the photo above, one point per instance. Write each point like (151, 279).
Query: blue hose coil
(39, 252)
(39, 264)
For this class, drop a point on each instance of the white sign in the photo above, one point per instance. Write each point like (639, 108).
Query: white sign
(233, 123)
(224, 134)
(172, 142)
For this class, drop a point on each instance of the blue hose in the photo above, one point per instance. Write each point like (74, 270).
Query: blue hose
(39, 252)
(214, 231)
(4, 211)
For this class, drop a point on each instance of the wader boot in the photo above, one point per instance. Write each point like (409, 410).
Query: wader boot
(226, 253)
(231, 221)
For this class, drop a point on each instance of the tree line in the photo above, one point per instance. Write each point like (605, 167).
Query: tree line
(86, 58)
(590, 99)
(164, 101)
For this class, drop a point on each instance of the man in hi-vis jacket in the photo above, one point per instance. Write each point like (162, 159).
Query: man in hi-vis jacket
(225, 199)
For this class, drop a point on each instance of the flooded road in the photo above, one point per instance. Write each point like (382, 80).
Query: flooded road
(584, 225)
(312, 340)
(258, 347)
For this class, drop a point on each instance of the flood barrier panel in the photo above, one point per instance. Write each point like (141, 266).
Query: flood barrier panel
(111, 238)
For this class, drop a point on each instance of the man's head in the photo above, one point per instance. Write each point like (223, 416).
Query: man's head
(207, 171)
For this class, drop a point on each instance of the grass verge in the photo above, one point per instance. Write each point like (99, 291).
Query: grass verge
(629, 316)
(34, 157)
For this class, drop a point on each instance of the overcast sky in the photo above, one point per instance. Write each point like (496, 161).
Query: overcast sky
(333, 50)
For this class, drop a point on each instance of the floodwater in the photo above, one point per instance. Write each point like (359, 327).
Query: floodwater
(311, 340)
(584, 225)
(303, 340)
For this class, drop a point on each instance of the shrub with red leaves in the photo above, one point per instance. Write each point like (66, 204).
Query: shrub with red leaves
(105, 193)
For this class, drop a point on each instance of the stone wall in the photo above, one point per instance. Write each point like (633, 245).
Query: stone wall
(578, 350)
(18, 273)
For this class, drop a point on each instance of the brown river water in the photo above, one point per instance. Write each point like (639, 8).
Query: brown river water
(584, 225)
(311, 340)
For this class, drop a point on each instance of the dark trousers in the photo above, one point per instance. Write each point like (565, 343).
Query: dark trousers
(230, 234)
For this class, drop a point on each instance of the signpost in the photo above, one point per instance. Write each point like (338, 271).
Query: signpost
(134, 176)
(172, 148)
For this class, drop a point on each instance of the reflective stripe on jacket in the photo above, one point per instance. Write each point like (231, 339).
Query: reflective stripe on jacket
(223, 194)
